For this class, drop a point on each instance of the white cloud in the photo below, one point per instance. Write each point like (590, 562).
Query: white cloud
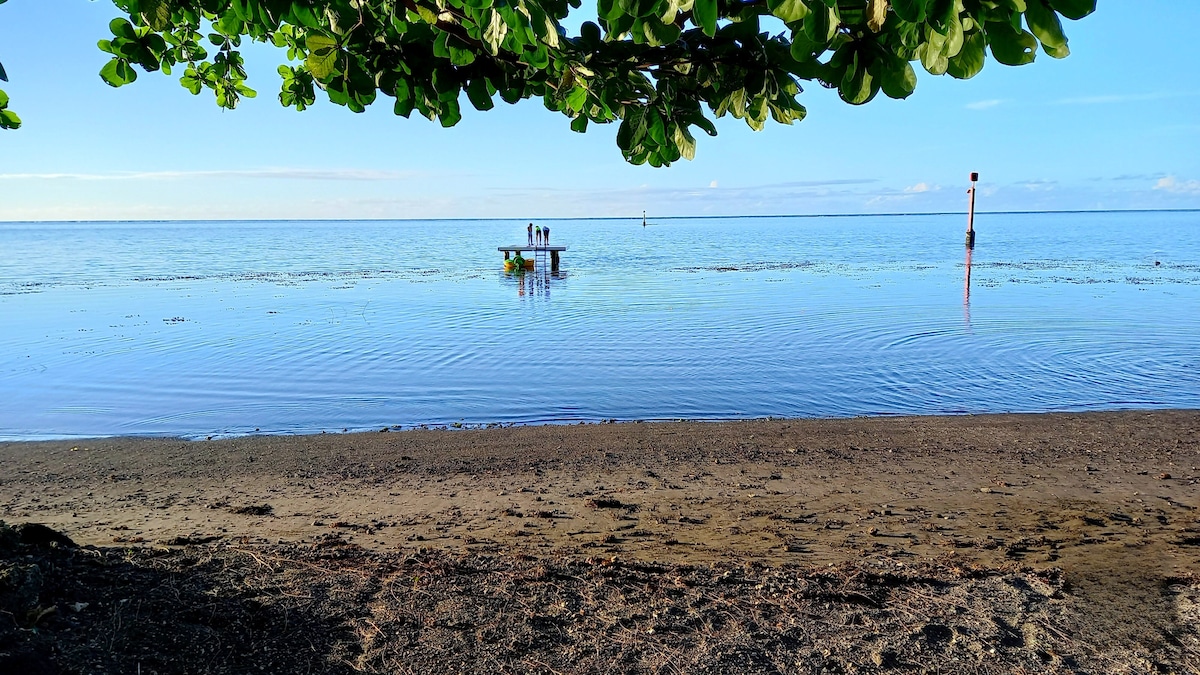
(1037, 185)
(1173, 185)
(984, 105)
(278, 174)
(922, 187)
(878, 200)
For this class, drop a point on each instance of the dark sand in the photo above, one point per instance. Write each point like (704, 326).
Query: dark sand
(1091, 518)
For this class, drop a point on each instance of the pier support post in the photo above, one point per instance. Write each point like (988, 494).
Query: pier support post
(554, 261)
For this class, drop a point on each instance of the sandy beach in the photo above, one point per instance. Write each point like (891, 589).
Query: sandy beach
(1098, 511)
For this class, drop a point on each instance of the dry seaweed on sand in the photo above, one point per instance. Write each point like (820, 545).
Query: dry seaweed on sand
(337, 608)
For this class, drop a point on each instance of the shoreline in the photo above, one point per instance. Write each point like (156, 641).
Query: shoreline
(482, 426)
(1049, 525)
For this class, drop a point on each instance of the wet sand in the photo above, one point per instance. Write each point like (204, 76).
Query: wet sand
(1079, 491)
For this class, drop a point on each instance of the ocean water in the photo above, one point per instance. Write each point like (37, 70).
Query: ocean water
(200, 329)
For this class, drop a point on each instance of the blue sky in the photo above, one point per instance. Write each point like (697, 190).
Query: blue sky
(1111, 127)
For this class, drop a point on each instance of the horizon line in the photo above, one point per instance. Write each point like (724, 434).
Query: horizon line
(543, 218)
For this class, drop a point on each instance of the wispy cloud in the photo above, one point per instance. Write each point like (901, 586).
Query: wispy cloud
(275, 174)
(879, 200)
(921, 193)
(984, 105)
(823, 183)
(922, 187)
(706, 198)
(1037, 185)
(1140, 176)
(713, 190)
(1176, 186)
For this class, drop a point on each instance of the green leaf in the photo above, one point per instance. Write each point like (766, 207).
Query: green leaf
(302, 14)
(3, 75)
(821, 25)
(450, 114)
(460, 56)
(803, 49)
(446, 83)
(118, 72)
(576, 99)
(590, 32)
(1057, 52)
(3, 99)
(655, 127)
(898, 79)
(1044, 23)
(191, 81)
(579, 124)
(670, 11)
(787, 10)
(971, 57)
(404, 98)
(704, 12)
(1010, 46)
(440, 49)
(685, 142)
(322, 56)
(9, 120)
(858, 85)
(608, 10)
(912, 11)
(933, 57)
(658, 33)
(122, 28)
(156, 14)
(1074, 9)
(477, 93)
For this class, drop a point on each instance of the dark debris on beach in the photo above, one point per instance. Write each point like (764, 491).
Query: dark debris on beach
(332, 607)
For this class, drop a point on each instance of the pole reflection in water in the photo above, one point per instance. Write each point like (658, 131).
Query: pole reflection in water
(967, 289)
(535, 282)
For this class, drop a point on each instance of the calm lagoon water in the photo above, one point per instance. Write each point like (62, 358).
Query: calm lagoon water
(224, 328)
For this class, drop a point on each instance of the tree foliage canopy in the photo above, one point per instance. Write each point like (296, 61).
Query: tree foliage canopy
(8, 118)
(659, 68)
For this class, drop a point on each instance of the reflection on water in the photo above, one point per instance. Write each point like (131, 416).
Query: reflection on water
(224, 328)
(967, 287)
(535, 282)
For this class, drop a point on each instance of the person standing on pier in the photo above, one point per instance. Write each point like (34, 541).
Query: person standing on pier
(546, 235)
(537, 231)
(530, 231)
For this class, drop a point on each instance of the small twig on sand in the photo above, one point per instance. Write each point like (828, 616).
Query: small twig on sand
(298, 562)
(535, 662)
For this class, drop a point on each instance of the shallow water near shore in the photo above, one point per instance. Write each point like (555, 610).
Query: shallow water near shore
(225, 328)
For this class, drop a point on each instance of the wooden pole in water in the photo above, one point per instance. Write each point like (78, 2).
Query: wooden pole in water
(971, 212)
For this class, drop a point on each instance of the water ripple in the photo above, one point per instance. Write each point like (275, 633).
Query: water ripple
(219, 329)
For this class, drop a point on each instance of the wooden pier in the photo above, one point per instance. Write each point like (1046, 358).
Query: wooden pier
(538, 250)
